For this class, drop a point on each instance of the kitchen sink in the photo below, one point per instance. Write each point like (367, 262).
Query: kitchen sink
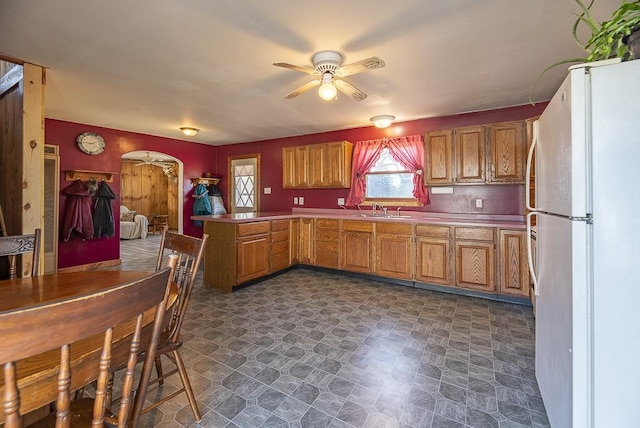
(381, 216)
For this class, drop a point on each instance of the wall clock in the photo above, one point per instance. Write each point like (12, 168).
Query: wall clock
(90, 143)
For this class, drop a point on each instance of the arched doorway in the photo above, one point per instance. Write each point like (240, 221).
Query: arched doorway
(151, 184)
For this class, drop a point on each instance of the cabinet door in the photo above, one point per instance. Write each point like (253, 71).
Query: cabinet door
(514, 273)
(433, 261)
(307, 242)
(470, 148)
(288, 167)
(356, 252)
(294, 241)
(438, 158)
(301, 166)
(317, 165)
(506, 153)
(327, 243)
(475, 265)
(337, 165)
(393, 256)
(253, 257)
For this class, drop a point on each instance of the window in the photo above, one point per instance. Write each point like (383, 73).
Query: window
(387, 179)
(244, 172)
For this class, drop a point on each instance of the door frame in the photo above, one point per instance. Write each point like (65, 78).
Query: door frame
(231, 185)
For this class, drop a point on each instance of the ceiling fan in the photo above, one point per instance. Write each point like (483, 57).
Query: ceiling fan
(167, 167)
(328, 65)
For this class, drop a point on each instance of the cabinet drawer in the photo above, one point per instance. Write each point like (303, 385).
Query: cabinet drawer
(357, 226)
(279, 248)
(434, 231)
(393, 228)
(246, 229)
(327, 246)
(330, 235)
(282, 236)
(323, 223)
(278, 225)
(475, 233)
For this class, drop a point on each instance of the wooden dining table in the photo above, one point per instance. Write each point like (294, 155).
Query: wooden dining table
(37, 376)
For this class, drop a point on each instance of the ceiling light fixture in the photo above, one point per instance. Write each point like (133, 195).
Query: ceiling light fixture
(189, 131)
(382, 121)
(327, 90)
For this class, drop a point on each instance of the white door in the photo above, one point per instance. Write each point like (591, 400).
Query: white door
(244, 184)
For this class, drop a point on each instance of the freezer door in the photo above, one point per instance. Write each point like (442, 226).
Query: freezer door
(561, 150)
(562, 325)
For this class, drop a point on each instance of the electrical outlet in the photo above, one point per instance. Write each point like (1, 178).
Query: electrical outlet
(341, 201)
(295, 201)
(267, 190)
(478, 203)
(301, 200)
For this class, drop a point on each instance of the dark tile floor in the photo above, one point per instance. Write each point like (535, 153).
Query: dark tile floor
(314, 349)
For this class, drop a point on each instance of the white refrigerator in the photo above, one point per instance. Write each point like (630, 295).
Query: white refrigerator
(587, 275)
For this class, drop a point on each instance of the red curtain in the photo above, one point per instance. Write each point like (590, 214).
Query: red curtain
(365, 155)
(408, 151)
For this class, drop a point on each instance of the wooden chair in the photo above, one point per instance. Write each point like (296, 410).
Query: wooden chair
(12, 246)
(189, 251)
(58, 325)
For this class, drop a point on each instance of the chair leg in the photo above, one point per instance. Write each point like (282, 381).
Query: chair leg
(159, 371)
(187, 385)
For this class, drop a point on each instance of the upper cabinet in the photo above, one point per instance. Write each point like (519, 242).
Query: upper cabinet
(476, 154)
(325, 165)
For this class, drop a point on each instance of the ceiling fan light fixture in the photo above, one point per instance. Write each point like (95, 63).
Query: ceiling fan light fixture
(189, 131)
(382, 121)
(327, 90)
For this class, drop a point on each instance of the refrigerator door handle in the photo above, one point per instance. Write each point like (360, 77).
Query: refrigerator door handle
(536, 290)
(527, 179)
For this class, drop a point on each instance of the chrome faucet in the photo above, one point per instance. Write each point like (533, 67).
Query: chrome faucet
(377, 205)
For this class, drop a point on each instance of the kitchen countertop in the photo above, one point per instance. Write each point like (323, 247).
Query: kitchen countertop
(415, 217)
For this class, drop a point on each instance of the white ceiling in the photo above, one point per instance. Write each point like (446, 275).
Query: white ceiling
(151, 66)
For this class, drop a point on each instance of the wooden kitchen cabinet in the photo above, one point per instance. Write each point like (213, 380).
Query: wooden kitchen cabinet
(326, 165)
(295, 167)
(474, 258)
(306, 249)
(294, 240)
(357, 246)
(394, 249)
(433, 254)
(506, 159)
(438, 158)
(252, 248)
(279, 245)
(512, 263)
(470, 151)
(327, 243)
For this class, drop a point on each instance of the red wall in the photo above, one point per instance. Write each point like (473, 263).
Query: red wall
(200, 158)
(497, 199)
(197, 159)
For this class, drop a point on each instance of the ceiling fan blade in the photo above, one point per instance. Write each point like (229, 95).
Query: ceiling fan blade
(303, 88)
(348, 89)
(296, 67)
(360, 66)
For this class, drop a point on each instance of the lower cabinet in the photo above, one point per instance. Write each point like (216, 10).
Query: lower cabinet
(294, 240)
(474, 258)
(253, 257)
(394, 249)
(279, 245)
(433, 254)
(327, 243)
(357, 246)
(306, 249)
(512, 263)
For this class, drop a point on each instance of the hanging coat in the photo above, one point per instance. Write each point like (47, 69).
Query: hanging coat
(103, 224)
(77, 212)
(201, 205)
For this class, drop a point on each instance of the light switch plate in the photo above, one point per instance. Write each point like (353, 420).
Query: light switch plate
(341, 201)
(295, 201)
(478, 203)
(267, 190)
(300, 200)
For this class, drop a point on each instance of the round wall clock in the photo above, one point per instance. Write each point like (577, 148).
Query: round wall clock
(90, 143)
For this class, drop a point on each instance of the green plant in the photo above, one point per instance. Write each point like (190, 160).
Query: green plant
(607, 38)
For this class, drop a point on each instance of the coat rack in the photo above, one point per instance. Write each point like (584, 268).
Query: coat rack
(205, 180)
(86, 175)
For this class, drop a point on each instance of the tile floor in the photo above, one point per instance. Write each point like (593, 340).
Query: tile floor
(314, 349)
